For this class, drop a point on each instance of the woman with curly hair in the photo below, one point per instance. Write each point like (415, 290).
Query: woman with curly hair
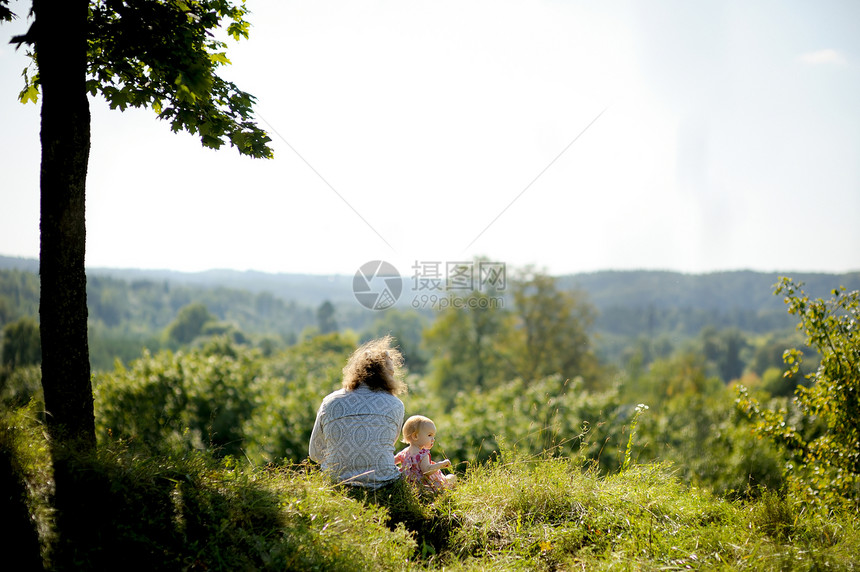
(358, 425)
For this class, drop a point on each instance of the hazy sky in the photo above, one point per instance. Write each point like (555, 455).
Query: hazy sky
(712, 136)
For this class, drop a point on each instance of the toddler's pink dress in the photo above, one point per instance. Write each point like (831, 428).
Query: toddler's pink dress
(410, 468)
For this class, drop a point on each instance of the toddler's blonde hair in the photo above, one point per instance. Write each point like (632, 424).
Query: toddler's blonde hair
(413, 425)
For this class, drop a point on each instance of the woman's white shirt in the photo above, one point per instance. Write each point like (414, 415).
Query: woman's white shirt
(354, 434)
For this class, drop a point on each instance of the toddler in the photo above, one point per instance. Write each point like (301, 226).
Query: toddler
(415, 463)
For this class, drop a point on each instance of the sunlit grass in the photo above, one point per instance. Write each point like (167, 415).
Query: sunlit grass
(554, 514)
(192, 511)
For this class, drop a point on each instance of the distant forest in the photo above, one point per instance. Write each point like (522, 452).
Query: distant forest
(653, 313)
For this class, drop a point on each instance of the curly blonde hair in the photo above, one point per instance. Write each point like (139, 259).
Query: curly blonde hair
(376, 364)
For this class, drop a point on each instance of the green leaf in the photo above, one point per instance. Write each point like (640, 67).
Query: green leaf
(219, 58)
(29, 93)
(239, 30)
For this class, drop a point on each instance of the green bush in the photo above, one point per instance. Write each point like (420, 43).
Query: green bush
(288, 393)
(21, 344)
(21, 385)
(21, 457)
(825, 444)
(549, 414)
(184, 400)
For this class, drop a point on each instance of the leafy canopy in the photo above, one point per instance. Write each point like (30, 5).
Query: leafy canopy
(165, 55)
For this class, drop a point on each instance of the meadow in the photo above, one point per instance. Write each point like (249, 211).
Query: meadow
(192, 511)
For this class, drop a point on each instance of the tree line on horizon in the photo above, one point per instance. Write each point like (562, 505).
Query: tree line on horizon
(125, 316)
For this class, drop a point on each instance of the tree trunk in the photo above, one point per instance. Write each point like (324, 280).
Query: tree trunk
(61, 51)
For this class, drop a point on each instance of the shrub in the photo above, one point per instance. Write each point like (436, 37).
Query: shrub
(826, 463)
(182, 400)
(288, 393)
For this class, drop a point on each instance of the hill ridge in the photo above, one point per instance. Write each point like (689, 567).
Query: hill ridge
(656, 289)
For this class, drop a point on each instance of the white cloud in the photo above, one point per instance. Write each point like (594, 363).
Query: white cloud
(823, 57)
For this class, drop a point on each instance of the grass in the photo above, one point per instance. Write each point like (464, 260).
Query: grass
(553, 514)
(195, 512)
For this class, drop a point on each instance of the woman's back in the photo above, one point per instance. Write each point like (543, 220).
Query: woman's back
(354, 435)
